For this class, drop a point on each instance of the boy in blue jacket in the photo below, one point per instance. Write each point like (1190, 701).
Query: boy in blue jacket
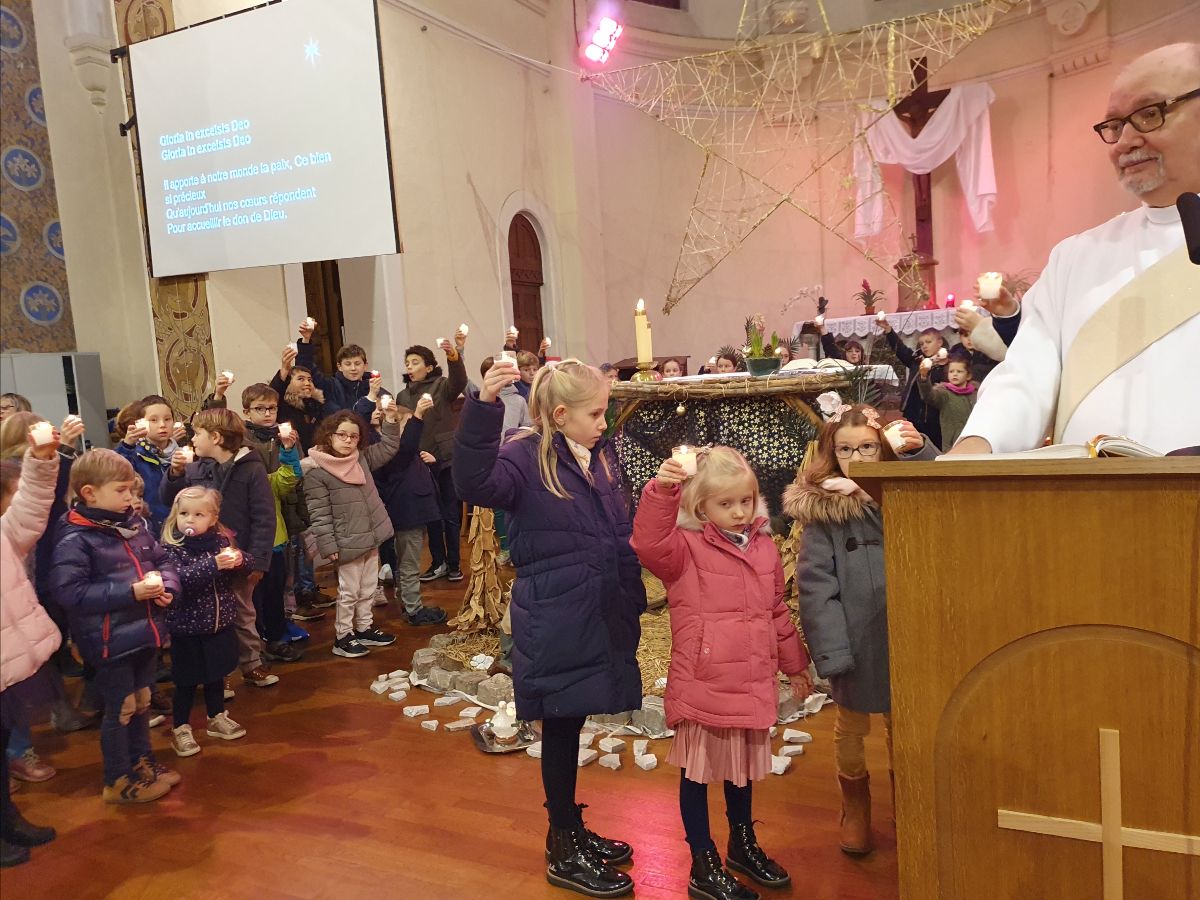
(352, 387)
(113, 579)
(149, 438)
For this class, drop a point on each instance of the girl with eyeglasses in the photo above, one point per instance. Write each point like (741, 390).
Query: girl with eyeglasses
(843, 598)
(349, 521)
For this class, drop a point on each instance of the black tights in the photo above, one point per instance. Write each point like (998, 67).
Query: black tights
(560, 765)
(185, 695)
(693, 806)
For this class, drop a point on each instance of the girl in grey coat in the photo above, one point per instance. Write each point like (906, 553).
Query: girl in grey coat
(348, 520)
(843, 598)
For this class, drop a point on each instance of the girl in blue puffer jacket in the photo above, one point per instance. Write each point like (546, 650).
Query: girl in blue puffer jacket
(203, 644)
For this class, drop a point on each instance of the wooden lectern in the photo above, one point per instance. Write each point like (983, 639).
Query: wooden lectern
(1044, 623)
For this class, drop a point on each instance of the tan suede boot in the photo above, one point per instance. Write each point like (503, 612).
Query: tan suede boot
(856, 814)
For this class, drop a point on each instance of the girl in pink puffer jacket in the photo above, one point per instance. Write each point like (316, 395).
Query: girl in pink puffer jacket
(731, 634)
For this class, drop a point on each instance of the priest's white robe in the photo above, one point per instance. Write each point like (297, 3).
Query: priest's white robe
(1153, 399)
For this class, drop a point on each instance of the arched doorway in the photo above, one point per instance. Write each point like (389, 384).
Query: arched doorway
(525, 268)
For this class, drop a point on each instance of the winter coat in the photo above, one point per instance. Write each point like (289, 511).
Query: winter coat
(248, 503)
(843, 591)
(152, 465)
(207, 603)
(578, 595)
(953, 408)
(340, 392)
(304, 418)
(406, 484)
(283, 473)
(350, 519)
(440, 421)
(28, 636)
(44, 559)
(731, 630)
(96, 563)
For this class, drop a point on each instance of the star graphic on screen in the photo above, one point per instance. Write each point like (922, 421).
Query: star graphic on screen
(311, 51)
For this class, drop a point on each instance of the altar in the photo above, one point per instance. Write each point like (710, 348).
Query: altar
(908, 325)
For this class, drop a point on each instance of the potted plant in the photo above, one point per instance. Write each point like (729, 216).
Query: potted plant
(868, 297)
(762, 356)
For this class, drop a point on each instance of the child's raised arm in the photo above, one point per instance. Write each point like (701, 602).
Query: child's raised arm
(656, 539)
(481, 476)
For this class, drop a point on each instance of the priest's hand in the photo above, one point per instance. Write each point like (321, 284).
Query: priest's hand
(970, 445)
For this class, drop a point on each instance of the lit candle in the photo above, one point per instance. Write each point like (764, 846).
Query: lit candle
(152, 580)
(374, 373)
(686, 457)
(927, 364)
(464, 329)
(441, 341)
(512, 332)
(285, 429)
(292, 346)
(881, 316)
(310, 323)
(819, 321)
(712, 360)
(228, 554)
(385, 401)
(142, 424)
(990, 284)
(189, 454)
(892, 432)
(43, 433)
(228, 376)
(548, 342)
(641, 331)
(507, 358)
(967, 304)
(178, 425)
(943, 353)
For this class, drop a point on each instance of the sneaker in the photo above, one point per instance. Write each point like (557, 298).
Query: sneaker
(317, 600)
(282, 651)
(159, 702)
(306, 612)
(348, 647)
(433, 574)
(426, 615)
(149, 770)
(455, 575)
(127, 790)
(379, 598)
(183, 741)
(29, 767)
(223, 727)
(156, 720)
(385, 574)
(229, 694)
(294, 633)
(373, 637)
(260, 676)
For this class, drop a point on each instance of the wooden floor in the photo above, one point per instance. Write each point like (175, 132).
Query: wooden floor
(333, 793)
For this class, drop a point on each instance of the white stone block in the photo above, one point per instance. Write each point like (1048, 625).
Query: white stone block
(397, 696)
(611, 745)
(647, 762)
(430, 724)
(791, 750)
(383, 677)
(780, 764)
(414, 711)
(398, 673)
(772, 731)
(795, 736)
(379, 687)
(535, 750)
(459, 724)
(588, 755)
(586, 738)
(470, 712)
(640, 747)
(447, 701)
(610, 761)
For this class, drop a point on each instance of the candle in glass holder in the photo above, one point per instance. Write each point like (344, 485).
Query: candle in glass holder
(385, 401)
(512, 332)
(285, 429)
(189, 455)
(712, 360)
(464, 329)
(43, 433)
(819, 321)
(374, 373)
(548, 342)
(507, 357)
(927, 364)
(686, 457)
(228, 376)
(990, 284)
(292, 346)
(891, 431)
(178, 425)
(142, 424)
(310, 323)
(440, 341)
(967, 304)
(943, 353)
(152, 580)
(881, 316)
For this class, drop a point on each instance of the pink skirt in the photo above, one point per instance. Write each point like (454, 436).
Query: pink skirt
(713, 755)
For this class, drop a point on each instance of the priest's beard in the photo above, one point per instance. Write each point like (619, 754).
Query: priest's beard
(1145, 179)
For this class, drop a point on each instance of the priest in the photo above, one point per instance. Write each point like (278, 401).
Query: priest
(1110, 337)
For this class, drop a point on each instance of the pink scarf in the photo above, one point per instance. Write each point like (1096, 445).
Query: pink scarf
(343, 468)
(968, 388)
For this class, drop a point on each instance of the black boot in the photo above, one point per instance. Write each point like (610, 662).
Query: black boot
(612, 852)
(15, 829)
(12, 855)
(572, 866)
(745, 856)
(710, 881)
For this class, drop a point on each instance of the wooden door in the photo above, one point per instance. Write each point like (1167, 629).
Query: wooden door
(525, 267)
(323, 297)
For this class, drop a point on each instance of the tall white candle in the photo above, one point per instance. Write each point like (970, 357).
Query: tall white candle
(641, 332)
(686, 457)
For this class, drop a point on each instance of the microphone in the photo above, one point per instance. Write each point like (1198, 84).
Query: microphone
(1188, 205)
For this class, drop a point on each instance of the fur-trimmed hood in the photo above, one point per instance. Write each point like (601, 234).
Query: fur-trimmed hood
(762, 518)
(806, 502)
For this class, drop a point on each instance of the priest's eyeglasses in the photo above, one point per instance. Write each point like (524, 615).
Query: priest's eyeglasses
(1144, 120)
(869, 450)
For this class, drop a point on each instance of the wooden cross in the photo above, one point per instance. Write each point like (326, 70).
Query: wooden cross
(1108, 832)
(915, 111)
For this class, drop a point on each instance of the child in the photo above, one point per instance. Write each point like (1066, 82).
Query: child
(351, 387)
(203, 645)
(103, 576)
(955, 399)
(437, 445)
(149, 447)
(529, 364)
(248, 512)
(349, 521)
(302, 403)
(728, 363)
(28, 635)
(923, 417)
(672, 369)
(711, 545)
(578, 592)
(843, 600)
(407, 489)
